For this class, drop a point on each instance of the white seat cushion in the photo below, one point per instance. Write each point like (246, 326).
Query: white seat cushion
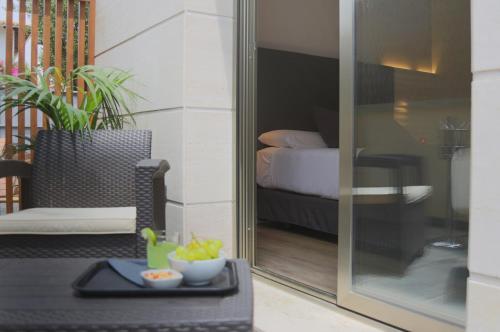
(54, 221)
(412, 194)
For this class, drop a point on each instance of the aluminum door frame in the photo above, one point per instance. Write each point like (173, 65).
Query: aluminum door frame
(380, 309)
(246, 137)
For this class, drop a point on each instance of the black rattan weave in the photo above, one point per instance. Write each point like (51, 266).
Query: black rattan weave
(109, 168)
(36, 295)
(98, 171)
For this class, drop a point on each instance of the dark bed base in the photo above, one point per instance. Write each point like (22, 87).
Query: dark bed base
(316, 213)
(394, 231)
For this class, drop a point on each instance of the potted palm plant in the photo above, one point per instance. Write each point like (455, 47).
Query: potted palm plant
(105, 104)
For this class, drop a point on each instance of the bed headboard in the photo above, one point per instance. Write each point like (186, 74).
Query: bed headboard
(290, 86)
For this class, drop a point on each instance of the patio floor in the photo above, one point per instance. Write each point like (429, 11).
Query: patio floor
(277, 310)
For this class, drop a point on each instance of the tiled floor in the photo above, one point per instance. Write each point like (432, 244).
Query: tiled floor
(436, 281)
(277, 310)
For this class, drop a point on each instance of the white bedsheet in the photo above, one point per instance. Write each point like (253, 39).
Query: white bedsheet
(304, 171)
(316, 172)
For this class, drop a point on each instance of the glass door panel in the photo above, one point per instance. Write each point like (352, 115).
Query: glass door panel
(408, 207)
(296, 206)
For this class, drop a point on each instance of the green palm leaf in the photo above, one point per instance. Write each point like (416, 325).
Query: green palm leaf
(106, 102)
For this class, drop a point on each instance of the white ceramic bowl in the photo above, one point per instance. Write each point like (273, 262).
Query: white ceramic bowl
(162, 283)
(198, 273)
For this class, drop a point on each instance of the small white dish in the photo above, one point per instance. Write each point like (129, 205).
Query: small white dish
(172, 282)
(198, 273)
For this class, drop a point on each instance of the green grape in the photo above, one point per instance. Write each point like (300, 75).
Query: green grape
(213, 251)
(206, 254)
(199, 254)
(181, 252)
(193, 245)
(218, 243)
(196, 254)
(190, 256)
(199, 249)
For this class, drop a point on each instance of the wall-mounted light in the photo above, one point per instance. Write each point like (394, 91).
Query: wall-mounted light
(406, 66)
(400, 114)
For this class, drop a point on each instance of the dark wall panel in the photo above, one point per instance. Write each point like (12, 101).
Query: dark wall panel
(290, 86)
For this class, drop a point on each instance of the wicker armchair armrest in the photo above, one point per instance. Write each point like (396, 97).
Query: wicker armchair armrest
(150, 197)
(15, 168)
(396, 162)
(22, 170)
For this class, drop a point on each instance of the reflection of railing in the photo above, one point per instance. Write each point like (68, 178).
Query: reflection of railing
(49, 18)
(454, 139)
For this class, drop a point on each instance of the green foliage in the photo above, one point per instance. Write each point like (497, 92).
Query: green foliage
(106, 102)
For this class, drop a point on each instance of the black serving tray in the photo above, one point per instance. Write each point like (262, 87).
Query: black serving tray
(100, 280)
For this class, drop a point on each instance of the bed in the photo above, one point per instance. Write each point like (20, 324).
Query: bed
(290, 87)
(299, 187)
(312, 172)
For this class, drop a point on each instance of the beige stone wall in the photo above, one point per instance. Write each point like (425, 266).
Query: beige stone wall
(483, 298)
(182, 53)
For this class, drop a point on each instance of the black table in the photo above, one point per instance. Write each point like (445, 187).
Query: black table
(36, 295)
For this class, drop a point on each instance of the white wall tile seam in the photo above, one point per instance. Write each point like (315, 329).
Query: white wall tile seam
(208, 203)
(493, 281)
(184, 125)
(160, 110)
(234, 174)
(190, 11)
(210, 109)
(473, 26)
(183, 150)
(484, 75)
(175, 203)
(139, 33)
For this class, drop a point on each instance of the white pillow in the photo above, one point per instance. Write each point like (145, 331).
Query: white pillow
(295, 139)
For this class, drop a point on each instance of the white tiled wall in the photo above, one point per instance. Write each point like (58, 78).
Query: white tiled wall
(209, 156)
(209, 117)
(175, 220)
(119, 20)
(215, 7)
(485, 36)
(209, 53)
(209, 219)
(182, 53)
(155, 57)
(483, 292)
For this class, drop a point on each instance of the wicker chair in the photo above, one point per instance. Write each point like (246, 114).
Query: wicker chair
(390, 226)
(103, 169)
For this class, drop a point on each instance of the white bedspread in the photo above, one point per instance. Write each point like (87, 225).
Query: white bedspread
(316, 172)
(304, 171)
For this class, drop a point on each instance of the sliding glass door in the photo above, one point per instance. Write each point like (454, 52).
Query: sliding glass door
(405, 116)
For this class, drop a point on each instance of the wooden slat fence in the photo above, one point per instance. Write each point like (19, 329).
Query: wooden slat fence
(47, 26)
